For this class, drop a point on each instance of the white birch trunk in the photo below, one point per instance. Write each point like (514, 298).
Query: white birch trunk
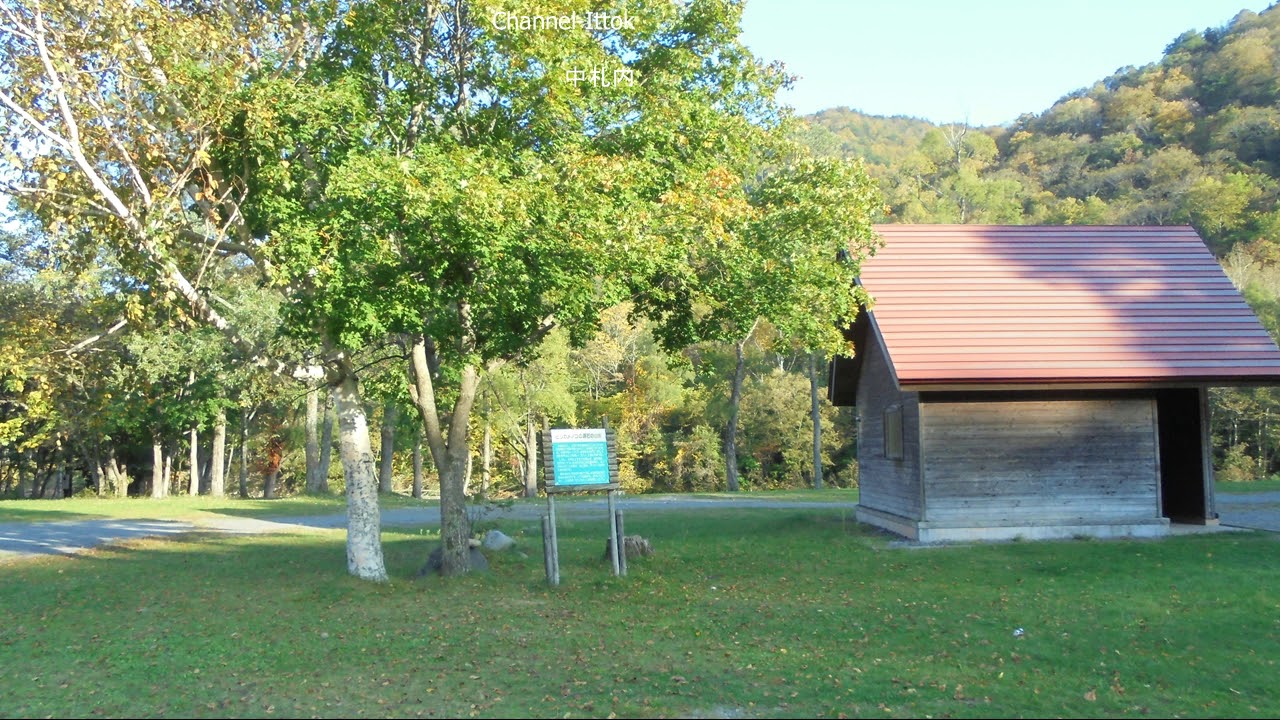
(157, 470)
(194, 488)
(217, 472)
(244, 454)
(313, 439)
(530, 458)
(326, 446)
(364, 532)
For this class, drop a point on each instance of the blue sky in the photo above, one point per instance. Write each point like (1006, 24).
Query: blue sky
(984, 61)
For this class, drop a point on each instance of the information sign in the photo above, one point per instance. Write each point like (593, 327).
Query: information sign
(580, 459)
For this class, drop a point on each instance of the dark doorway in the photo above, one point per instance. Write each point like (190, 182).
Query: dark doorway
(1181, 455)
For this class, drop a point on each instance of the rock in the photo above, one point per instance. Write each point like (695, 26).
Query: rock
(633, 545)
(478, 562)
(497, 541)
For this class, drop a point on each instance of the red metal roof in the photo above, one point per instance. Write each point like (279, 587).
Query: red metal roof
(1038, 305)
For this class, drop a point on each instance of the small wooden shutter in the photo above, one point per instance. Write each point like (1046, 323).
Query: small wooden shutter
(893, 432)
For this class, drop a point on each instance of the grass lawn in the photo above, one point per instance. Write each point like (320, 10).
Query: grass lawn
(741, 613)
(1269, 485)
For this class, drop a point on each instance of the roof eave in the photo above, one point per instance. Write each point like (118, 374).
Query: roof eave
(945, 385)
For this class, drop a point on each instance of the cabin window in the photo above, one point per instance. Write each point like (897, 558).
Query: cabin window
(893, 432)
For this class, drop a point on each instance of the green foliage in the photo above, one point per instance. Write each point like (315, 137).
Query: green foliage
(697, 463)
(778, 433)
(1236, 465)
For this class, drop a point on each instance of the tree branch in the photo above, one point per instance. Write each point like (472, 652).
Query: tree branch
(119, 325)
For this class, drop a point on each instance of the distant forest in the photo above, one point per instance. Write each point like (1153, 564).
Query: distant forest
(1192, 139)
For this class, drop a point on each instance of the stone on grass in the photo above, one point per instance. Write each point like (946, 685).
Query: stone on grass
(435, 562)
(497, 541)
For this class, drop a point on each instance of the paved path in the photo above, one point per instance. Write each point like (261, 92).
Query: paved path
(1256, 511)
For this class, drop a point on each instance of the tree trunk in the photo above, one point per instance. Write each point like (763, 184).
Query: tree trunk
(157, 469)
(23, 474)
(269, 484)
(244, 453)
(466, 482)
(486, 464)
(326, 446)
(64, 486)
(217, 471)
(168, 471)
(530, 457)
(98, 471)
(390, 413)
(313, 439)
(364, 531)
(117, 474)
(815, 414)
(194, 488)
(450, 454)
(735, 402)
(206, 467)
(42, 492)
(417, 465)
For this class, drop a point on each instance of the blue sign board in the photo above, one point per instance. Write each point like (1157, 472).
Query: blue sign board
(580, 457)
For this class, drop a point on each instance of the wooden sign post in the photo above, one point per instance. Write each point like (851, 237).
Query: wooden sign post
(576, 460)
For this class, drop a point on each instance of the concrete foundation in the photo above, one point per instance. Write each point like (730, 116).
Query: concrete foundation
(926, 532)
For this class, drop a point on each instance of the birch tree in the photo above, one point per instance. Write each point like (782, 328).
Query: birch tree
(115, 113)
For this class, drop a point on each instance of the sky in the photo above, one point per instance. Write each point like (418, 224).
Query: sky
(982, 61)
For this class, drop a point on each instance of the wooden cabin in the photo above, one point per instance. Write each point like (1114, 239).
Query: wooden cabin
(1040, 382)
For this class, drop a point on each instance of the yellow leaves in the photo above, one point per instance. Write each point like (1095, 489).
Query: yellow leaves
(721, 180)
(133, 308)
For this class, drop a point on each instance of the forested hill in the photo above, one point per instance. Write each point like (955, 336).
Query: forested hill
(1193, 138)
(881, 141)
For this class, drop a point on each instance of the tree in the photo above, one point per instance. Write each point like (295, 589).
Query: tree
(494, 194)
(786, 250)
(119, 116)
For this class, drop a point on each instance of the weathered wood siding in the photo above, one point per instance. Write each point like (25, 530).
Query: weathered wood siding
(891, 486)
(1040, 462)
